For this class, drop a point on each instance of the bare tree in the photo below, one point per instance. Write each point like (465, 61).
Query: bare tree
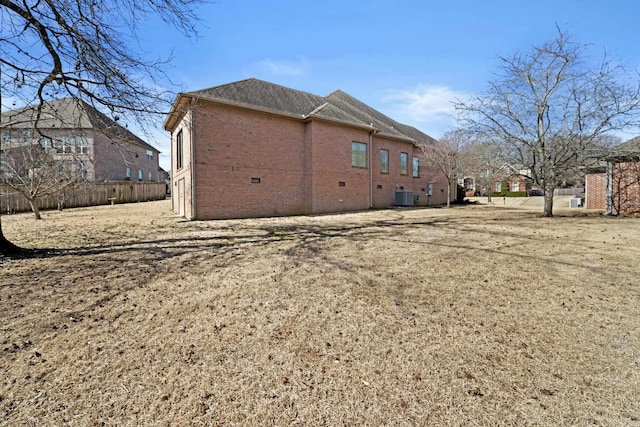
(447, 157)
(548, 106)
(87, 50)
(486, 164)
(35, 170)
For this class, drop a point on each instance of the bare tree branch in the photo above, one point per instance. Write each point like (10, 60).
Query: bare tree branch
(549, 107)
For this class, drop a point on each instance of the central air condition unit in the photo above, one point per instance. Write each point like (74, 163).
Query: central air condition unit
(575, 202)
(404, 198)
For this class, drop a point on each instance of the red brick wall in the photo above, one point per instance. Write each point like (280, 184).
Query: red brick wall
(111, 159)
(595, 191)
(234, 146)
(626, 188)
(331, 165)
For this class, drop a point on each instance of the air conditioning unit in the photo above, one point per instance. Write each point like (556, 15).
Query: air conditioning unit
(404, 198)
(575, 202)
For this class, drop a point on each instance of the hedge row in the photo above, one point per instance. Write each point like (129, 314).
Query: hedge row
(510, 194)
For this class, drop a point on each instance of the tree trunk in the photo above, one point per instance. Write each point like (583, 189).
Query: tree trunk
(448, 194)
(6, 247)
(548, 202)
(35, 209)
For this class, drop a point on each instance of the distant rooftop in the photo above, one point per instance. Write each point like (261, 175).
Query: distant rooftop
(69, 113)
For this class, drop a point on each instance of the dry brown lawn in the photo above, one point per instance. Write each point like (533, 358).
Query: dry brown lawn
(474, 315)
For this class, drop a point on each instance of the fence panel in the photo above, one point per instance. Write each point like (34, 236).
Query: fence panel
(86, 194)
(568, 191)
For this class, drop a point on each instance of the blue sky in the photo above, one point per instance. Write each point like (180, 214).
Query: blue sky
(407, 58)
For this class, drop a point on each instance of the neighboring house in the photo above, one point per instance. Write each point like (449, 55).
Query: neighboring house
(83, 138)
(614, 186)
(253, 148)
(508, 178)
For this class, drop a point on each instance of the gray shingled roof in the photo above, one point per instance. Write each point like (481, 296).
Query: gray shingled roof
(626, 150)
(70, 113)
(339, 106)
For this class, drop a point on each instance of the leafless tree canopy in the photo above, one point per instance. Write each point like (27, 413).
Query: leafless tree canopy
(88, 50)
(448, 156)
(548, 108)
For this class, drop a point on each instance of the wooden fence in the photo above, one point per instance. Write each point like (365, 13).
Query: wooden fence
(86, 194)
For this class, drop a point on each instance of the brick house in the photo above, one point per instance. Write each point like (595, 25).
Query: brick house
(614, 185)
(253, 149)
(507, 178)
(81, 137)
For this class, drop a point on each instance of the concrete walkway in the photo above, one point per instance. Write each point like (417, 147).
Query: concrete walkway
(529, 203)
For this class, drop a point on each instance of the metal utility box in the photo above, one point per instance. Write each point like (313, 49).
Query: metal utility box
(404, 198)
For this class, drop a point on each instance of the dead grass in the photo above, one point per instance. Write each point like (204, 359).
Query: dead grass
(469, 316)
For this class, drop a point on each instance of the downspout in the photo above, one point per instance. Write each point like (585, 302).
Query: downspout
(371, 132)
(193, 161)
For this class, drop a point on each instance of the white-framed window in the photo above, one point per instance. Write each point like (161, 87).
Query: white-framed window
(63, 145)
(430, 189)
(404, 163)
(26, 135)
(415, 168)
(498, 187)
(150, 176)
(6, 137)
(46, 143)
(139, 174)
(149, 155)
(358, 155)
(128, 173)
(515, 186)
(82, 145)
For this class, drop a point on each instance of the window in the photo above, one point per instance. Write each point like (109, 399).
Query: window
(139, 174)
(150, 176)
(498, 187)
(64, 145)
(358, 155)
(179, 150)
(415, 168)
(46, 144)
(82, 145)
(149, 155)
(515, 186)
(26, 135)
(6, 137)
(430, 189)
(404, 160)
(128, 172)
(384, 161)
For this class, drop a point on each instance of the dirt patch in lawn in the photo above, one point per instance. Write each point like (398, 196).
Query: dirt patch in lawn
(467, 316)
